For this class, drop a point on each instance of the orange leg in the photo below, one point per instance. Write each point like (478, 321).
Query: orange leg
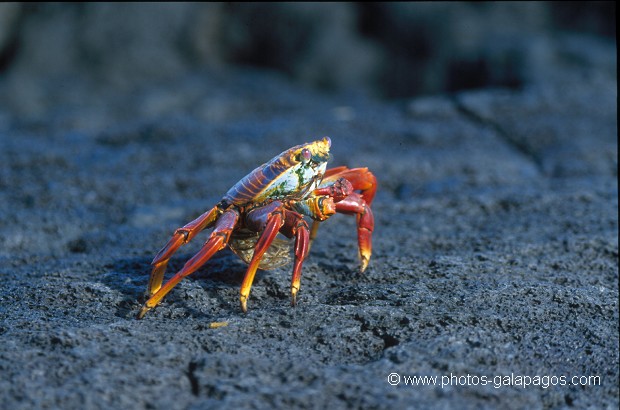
(302, 246)
(275, 221)
(217, 241)
(181, 237)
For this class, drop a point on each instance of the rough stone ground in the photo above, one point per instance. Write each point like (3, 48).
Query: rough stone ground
(495, 250)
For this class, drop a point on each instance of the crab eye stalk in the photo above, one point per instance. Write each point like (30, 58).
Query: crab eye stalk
(305, 155)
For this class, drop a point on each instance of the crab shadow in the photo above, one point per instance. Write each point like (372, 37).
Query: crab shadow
(130, 276)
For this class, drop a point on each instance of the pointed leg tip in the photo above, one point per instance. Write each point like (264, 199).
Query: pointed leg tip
(244, 303)
(364, 253)
(142, 312)
(364, 264)
(294, 297)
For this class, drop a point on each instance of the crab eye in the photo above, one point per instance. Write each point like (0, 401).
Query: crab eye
(305, 155)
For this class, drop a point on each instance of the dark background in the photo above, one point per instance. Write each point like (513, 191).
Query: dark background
(492, 130)
(389, 50)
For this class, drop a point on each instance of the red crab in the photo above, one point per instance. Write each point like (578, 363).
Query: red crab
(273, 199)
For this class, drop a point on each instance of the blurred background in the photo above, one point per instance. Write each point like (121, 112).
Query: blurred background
(63, 55)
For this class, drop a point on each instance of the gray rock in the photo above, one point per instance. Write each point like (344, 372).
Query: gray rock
(495, 253)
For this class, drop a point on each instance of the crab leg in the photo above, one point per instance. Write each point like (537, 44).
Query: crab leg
(217, 241)
(180, 237)
(295, 225)
(302, 247)
(274, 223)
(355, 204)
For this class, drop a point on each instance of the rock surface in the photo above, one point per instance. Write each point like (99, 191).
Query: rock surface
(495, 252)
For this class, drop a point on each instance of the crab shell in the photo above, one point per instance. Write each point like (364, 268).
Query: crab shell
(291, 175)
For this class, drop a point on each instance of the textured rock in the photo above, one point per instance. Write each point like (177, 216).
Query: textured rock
(495, 251)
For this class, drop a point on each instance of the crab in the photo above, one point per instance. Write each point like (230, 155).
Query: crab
(274, 199)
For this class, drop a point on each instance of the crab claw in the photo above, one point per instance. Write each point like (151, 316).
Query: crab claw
(339, 190)
(318, 207)
(325, 207)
